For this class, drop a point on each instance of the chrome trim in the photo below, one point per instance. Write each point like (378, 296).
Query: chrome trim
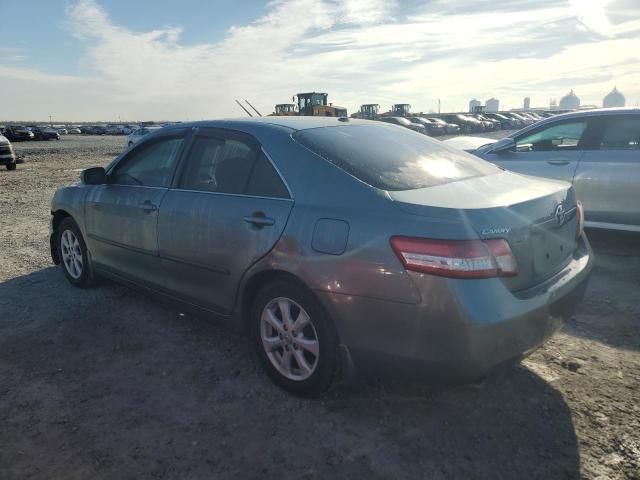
(130, 186)
(230, 194)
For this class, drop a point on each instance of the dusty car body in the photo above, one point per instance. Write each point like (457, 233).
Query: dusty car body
(333, 241)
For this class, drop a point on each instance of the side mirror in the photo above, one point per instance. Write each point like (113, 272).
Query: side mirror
(503, 146)
(94, 176)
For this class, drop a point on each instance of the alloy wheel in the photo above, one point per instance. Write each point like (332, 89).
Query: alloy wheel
(289, 339)
(71, 254)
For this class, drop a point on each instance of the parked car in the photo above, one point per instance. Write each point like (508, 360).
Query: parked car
(526, 121)
(62, 131)
(432, 128)
(7, 157)
(598, 151)
(136, 135)
(398, 251)
(505, 121)
(94, 130)
(487, 124)
(44, 133)
(466, 123)
(450, 128)
(405, 122)
(17, 133)
(74, 131)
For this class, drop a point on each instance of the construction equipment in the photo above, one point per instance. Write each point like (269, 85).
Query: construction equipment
(285, 110)
(368, 111)
(314, 104)
(401, 110)
(254, 108)
(242, 107)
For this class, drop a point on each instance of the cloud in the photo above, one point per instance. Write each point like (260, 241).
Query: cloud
(360, 51)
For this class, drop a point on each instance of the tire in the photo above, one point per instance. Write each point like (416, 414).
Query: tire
(77, 268)
(130, 143)
(318, 335)
(12, 166)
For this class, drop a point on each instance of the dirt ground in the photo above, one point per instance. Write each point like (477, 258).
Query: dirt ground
(109, 383)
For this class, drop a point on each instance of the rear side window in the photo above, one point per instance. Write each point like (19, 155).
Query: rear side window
(219, 165)
(231, 165)
(391, 158)
(621, 133)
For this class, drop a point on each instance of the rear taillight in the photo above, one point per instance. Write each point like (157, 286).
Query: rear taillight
(456, 258)
(580, 214)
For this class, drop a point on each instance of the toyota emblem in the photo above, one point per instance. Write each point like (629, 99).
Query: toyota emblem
(560, 214)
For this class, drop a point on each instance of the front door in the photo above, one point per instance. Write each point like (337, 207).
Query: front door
(227, 210)
(551, 151)
(121, 217)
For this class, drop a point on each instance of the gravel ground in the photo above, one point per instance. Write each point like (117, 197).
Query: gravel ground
(109, 383)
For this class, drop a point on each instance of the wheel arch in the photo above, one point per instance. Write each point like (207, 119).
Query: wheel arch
(58, 217)
(257, 281)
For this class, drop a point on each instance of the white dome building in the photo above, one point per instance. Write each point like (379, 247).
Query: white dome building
(614, 99)
(569, 102)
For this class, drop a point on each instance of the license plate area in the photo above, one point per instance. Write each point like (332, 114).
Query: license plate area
(551, 247)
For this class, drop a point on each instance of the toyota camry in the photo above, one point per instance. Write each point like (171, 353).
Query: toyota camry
(336, 244)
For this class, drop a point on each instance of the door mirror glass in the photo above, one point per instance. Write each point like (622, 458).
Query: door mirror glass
(94, 176)
(504, 145)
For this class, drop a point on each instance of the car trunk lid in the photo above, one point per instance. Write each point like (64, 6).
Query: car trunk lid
(537, 217)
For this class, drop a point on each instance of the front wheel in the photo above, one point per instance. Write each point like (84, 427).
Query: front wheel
(73, 255)
(11, 166)
(295, 339)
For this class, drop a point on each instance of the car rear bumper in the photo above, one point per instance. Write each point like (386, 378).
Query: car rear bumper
(462, 329)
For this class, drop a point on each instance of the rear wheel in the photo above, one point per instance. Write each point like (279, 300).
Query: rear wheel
(11, 166)
(73, 256)
(294, 338)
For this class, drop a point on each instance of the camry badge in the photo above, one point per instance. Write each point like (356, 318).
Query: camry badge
(495, 231)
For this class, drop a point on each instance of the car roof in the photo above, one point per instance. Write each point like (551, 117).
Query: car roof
(598, 111)
(293, 123)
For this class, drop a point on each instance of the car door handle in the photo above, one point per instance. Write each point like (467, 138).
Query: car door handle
(558, 162)
(259, 220)
(148, 206)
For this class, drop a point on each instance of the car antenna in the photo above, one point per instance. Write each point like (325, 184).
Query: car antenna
(254, 108)
(242, 107)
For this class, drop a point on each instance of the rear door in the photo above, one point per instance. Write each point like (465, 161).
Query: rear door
(552, 150)
(121, 217)
(608, 176)
(226, 210)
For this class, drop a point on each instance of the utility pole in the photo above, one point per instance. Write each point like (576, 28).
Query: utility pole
(50, 121)
(438, 106)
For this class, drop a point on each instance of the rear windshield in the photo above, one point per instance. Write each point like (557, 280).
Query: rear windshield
(392, 158)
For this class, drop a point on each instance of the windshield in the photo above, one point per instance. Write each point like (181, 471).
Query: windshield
(386, 158)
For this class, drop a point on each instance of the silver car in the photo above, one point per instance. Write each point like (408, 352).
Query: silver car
(598, 151)
(333, 242)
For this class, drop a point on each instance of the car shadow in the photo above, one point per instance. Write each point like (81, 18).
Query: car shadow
(610, 311)
(110, 383)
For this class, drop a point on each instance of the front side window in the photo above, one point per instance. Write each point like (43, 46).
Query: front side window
(150, 165)
(621, 133)
(229, 164)
(564, 136)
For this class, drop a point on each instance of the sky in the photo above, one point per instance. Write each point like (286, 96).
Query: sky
(110, 60)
